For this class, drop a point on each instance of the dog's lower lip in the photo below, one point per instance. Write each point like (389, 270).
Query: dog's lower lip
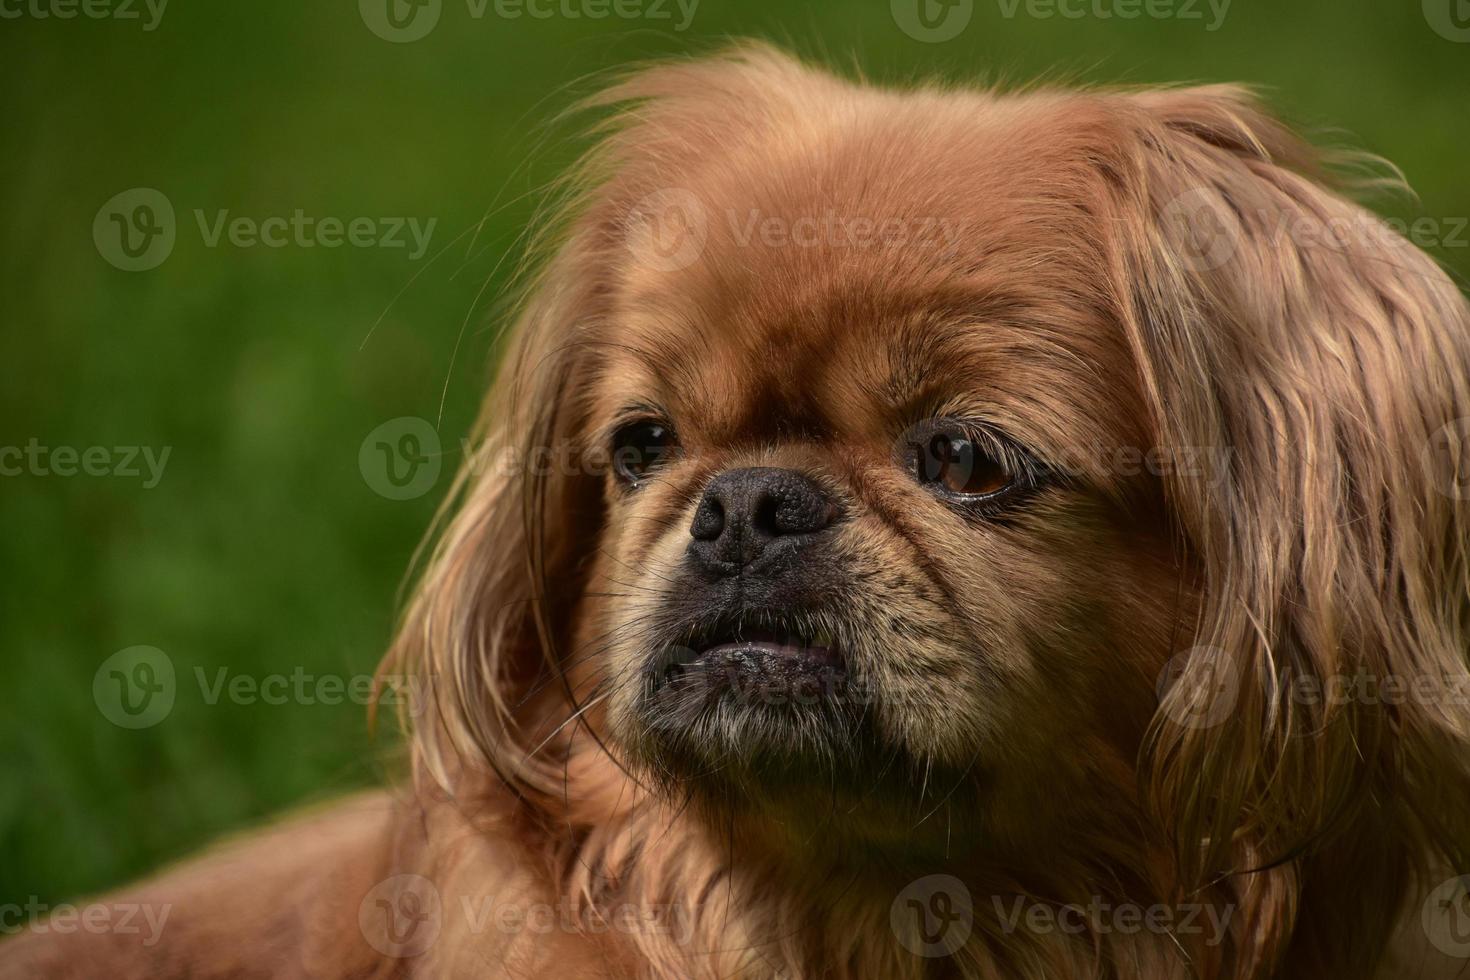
(748, 647)
(822, 656)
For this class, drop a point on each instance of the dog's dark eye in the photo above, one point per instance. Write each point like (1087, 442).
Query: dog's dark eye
(953, 460)
(639, 447)
(960, 463)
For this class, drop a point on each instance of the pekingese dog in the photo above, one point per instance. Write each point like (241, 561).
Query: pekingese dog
(927, 533)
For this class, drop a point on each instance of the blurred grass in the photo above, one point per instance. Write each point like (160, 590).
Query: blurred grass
(263, 550)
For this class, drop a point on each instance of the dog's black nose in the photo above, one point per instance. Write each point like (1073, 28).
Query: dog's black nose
(743, 512)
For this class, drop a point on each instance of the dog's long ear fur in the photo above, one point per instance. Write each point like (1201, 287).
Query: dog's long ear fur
(485, 628)
(490, 613)
(1277, 321)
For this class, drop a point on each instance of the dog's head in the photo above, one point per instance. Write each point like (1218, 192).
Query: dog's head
(905, 464)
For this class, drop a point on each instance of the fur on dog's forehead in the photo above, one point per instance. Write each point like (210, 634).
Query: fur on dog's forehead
(839, 293)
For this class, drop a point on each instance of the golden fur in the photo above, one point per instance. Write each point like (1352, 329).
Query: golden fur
(1293, 522)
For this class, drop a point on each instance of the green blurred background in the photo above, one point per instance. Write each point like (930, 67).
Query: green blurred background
(264, 549)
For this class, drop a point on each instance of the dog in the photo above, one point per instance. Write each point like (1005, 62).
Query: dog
(923, 533)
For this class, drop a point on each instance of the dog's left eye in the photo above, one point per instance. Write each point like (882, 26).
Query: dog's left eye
(640, 447)
(958, 463)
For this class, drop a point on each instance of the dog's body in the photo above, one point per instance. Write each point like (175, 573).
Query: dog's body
(306, 901)
(806, 604)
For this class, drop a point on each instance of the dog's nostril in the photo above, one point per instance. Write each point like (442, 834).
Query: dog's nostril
(766, 517)
(709, 520)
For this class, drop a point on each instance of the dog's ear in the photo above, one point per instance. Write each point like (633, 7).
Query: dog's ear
(1326, 361)
(486, 631)
(483, 632)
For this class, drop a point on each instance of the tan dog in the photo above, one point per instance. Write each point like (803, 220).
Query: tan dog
(919, 534)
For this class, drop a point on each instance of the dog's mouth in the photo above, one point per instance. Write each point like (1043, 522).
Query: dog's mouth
(768, 699)
(765, 648)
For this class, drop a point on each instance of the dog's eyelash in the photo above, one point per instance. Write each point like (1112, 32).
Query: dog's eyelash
(627, 415)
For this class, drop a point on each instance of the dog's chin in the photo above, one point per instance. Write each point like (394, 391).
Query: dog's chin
(771, 718)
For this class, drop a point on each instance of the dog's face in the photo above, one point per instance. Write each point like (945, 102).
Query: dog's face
(877, 517)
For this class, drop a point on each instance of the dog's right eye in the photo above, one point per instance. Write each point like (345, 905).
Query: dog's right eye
(640, 447)
(969, 464)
